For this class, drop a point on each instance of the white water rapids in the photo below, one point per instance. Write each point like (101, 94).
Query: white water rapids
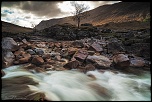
(76, 86)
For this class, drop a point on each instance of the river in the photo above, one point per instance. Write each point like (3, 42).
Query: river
(19, 84)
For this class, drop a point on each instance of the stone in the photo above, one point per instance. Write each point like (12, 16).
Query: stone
(81, 55)
(89, 67)
(121, 61)
(115, 46)
(8, 43)
(64, 52)
(3, 73)
(24, 41)
(96, 47)
(30, 51)
(137, 63)
(7, 58)
(91, 52)
(23, 60)
(72, 51)
(60, 69)
(57, 44)
(78, 44)
(46, 56)
(39, 51)
(99, 61)
(37, 60)
(51, 44)
(72, 64)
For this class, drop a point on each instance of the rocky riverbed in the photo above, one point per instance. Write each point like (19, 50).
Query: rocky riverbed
(109, 51)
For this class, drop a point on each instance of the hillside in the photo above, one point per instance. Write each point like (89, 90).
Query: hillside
(12, 28)
(118, 12)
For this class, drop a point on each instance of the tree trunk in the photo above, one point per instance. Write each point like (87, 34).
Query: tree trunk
(78, 22)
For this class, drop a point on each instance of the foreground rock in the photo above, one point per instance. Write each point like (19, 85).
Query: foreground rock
(7, 58)
(9, 44)
(72, 65)
(37, 60)
(99, 61)
(121, 61)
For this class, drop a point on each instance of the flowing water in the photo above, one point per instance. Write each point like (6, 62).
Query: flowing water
(75, 86)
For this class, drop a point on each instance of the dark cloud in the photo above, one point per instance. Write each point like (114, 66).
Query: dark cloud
(39, 8)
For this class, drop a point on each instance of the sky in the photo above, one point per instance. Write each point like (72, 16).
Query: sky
(30, 13)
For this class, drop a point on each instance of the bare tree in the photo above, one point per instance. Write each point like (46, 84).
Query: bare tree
(33, 27)
(79, 12)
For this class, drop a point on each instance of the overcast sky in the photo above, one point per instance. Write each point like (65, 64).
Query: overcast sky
(26, 13)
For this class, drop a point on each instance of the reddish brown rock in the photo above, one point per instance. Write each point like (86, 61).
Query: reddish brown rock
(72, 64)
(46, 56)
(23, 60)
(81, 55)
(121, 61)
(78, 44)
(37, 60)
(96, 47)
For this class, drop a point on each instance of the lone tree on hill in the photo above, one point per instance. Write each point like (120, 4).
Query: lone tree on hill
(79, 12)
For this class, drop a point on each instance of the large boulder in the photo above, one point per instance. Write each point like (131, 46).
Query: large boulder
(9, 44)
(7, 58)
(121, 61)
(99, 61)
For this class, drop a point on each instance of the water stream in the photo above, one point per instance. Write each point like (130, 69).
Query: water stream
(76, 86)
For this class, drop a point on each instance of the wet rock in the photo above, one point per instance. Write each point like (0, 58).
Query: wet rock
(121, 61)
(9, 44)
(89, 67)
(3, 73)
(60, 69)
(39, 51)
(72, 64)
(16, 62)
(81, 55)
(96, 47)
(7, 58)
(99, 61)
(37, 60)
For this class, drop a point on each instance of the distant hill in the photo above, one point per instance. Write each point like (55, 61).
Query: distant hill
(12, 28)
(118, 12)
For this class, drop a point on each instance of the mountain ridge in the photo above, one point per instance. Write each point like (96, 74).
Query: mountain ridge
(118, 12)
